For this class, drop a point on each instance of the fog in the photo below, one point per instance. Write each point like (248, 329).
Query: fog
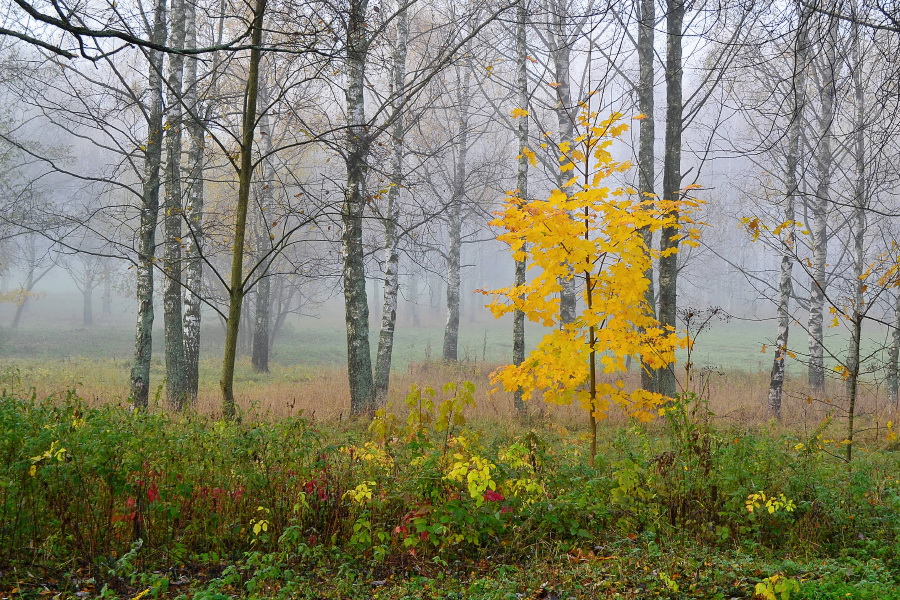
(380, 149)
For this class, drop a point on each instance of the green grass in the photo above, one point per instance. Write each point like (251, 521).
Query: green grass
(733, 346)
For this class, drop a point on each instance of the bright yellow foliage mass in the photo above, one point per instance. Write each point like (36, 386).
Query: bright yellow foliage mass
(593, 232)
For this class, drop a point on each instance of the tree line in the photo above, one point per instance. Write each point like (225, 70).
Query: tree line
(234, 153)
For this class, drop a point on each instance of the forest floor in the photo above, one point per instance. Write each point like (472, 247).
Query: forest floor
(447, 494)
(425, 502)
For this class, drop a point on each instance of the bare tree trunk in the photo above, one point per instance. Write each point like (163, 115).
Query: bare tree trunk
(172, 319)
(20, 310)
(283, 298)
(260, 352)
(236, 288)
(143, 343)
(193, 211)
(859, 229)
(359, 359)
(414, 296)
(31, 280)
(451, 329)
(245, 334)
(106, 298)
(819, 210)
(262, 317)
(788, 248)
(646, 151)
(392, 255)
(668, 266)
(893, 380)
(454, 217)
(561, 54)
(518, 350)
(87, 294)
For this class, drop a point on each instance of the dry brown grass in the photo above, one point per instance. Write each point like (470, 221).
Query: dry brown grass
(321, 393)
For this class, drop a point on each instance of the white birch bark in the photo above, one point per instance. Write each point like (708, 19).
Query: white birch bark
(566, 112)
(521, 187)
(819, 208)
(172, 317)
(392, 216)
(860, 206)
(893, 372)
(454, 218)
(646, 10)
(149, 214)
(359, 359)
(788, 248)
(193, 209)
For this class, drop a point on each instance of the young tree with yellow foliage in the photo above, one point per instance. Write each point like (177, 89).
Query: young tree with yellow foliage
(591, 233)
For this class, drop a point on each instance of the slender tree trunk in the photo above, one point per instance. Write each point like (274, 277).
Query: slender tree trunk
(668, 265)
(260, 352)
(283, 295)
(30, 281)
(87, 294)
(193, 211)
(359, 359)
(819, 209)
(149, 213)
(236, 288)
(414, 296)
(106, 298)
(262, 318)
(20, 310)
(646, 147)
(785, 288)
(518, 350)
(859, 230)
(172, 318)
(392, 254)
(454, 216)
(893, 370)
(566, 112)
(435, 291)
(788, 248)
(451, 329)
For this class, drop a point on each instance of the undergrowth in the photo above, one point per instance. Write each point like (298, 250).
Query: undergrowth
(122, 504)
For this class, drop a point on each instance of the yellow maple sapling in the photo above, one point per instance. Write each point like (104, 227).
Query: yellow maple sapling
(592, 232)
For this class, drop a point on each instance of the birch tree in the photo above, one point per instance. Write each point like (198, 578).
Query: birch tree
(195, 127)
(523, 97)
(176, 392)
(149, 213)
(392, 212)
(797, 101)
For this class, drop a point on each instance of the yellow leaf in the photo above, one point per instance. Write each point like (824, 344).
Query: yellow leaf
(527, 153)
(518, 112)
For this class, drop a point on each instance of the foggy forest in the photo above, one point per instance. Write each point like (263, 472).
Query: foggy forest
(450, 299)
